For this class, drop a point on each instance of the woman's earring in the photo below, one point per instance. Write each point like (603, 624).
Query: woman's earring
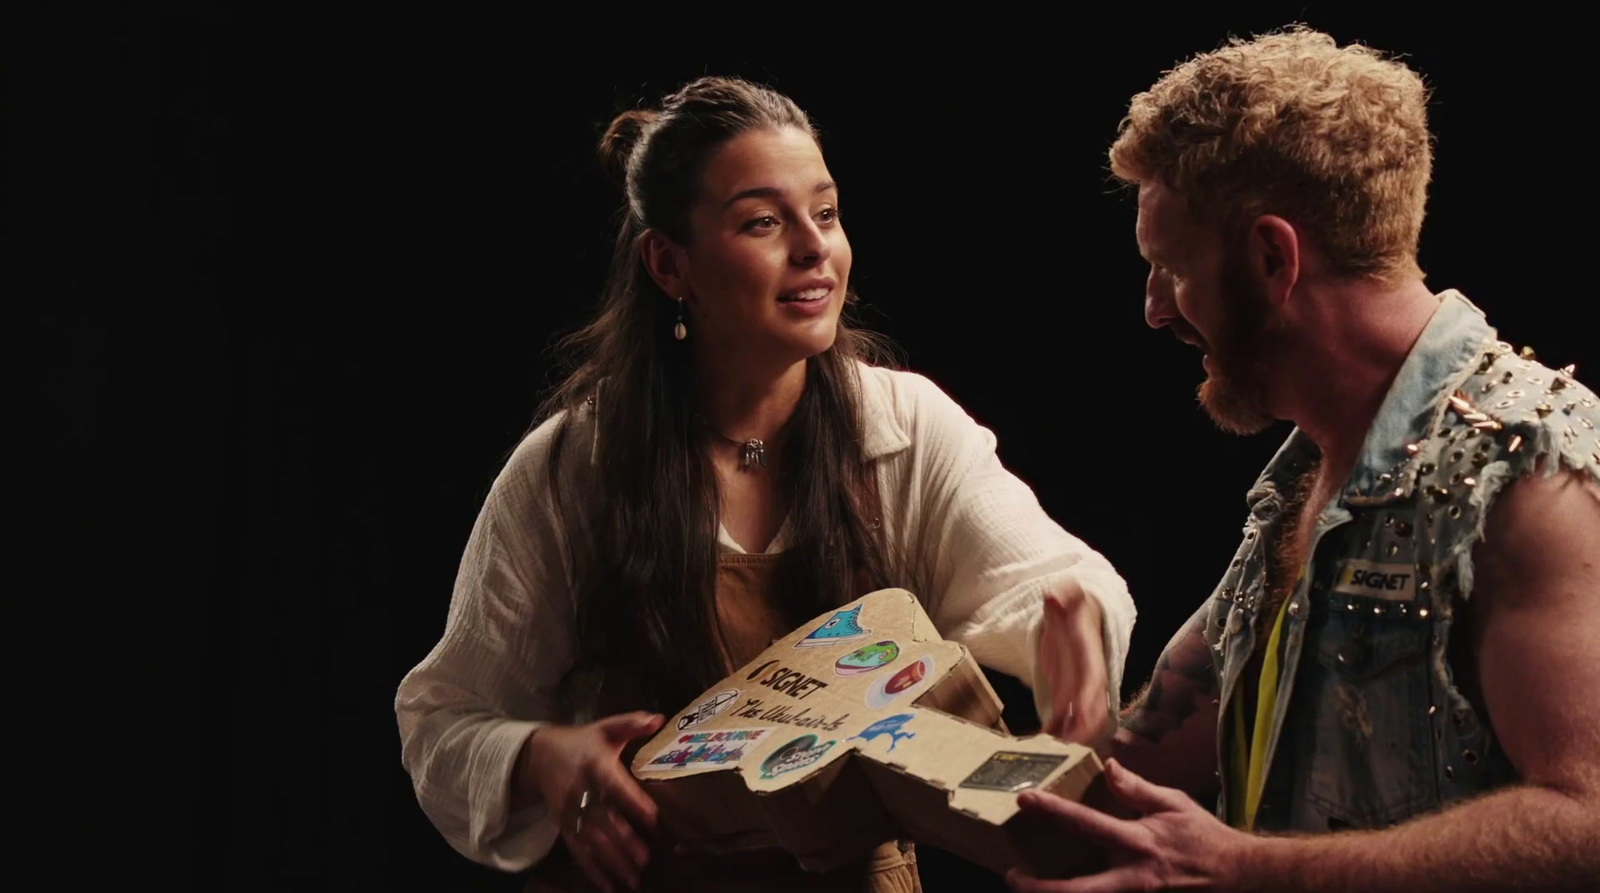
(680, 331)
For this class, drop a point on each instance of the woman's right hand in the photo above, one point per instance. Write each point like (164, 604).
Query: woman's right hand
(604, 815)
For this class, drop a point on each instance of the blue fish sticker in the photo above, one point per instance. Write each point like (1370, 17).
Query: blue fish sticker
(889, 725)
(841, 627)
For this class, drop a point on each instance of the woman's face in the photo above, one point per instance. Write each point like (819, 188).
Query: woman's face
(767, 263)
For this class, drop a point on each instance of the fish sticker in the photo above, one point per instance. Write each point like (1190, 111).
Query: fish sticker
(889, 725)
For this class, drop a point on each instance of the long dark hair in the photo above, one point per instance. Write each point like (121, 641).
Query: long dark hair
(644, 562)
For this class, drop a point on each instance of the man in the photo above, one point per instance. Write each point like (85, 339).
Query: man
(1393, 686)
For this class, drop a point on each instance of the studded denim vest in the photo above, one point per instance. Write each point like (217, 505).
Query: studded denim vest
(1372, 724)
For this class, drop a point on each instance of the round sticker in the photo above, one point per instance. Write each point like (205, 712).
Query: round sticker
(888, 688)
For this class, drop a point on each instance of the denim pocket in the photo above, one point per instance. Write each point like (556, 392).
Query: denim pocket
(1362, 720)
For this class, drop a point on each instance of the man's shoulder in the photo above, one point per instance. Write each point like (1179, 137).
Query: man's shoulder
(1514, 409)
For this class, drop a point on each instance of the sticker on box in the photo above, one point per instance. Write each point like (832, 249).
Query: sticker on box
(710, 708)
(724, 747)
(889, 725)
(867, 659)
(843, 626)
(1012, 771)
(887, 688)
(797, 754)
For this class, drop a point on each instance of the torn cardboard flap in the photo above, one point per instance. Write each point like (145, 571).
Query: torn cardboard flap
(856, 728)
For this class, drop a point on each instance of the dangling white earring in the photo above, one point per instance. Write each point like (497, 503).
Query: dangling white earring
(680, 331)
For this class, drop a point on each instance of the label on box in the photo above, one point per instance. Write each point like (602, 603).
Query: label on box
(1011, 771)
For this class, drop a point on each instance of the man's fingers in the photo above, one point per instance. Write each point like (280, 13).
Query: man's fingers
(1141, 794)
(1083, 821)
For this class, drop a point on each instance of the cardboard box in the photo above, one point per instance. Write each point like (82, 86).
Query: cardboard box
(861, 727)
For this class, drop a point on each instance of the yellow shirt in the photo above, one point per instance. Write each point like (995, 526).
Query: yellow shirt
(1250, 754)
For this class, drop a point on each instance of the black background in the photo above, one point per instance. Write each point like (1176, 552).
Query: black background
(292, 282)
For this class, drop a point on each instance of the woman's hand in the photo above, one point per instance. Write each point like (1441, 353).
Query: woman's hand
(1072, 656)
(604, 815)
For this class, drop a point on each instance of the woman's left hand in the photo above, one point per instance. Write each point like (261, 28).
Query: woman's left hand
(1072, 656)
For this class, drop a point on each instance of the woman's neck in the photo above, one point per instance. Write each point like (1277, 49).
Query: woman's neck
(744, 403)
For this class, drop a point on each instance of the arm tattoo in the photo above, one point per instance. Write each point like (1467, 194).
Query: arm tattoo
(1184, 678)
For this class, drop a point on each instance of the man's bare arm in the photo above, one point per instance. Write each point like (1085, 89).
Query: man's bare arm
(1169, 731)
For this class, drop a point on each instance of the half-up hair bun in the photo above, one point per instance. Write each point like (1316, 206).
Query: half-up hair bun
(620, 139)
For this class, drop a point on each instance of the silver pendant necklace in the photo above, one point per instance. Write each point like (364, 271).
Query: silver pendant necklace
(752, 452)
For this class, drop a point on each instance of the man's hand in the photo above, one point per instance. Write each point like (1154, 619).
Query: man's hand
(1173, 842)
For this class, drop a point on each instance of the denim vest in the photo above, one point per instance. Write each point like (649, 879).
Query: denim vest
(1371, 724)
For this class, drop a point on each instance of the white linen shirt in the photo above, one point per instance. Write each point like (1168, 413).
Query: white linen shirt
(982, 554)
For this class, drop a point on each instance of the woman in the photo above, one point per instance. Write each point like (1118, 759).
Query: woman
(721, 467)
